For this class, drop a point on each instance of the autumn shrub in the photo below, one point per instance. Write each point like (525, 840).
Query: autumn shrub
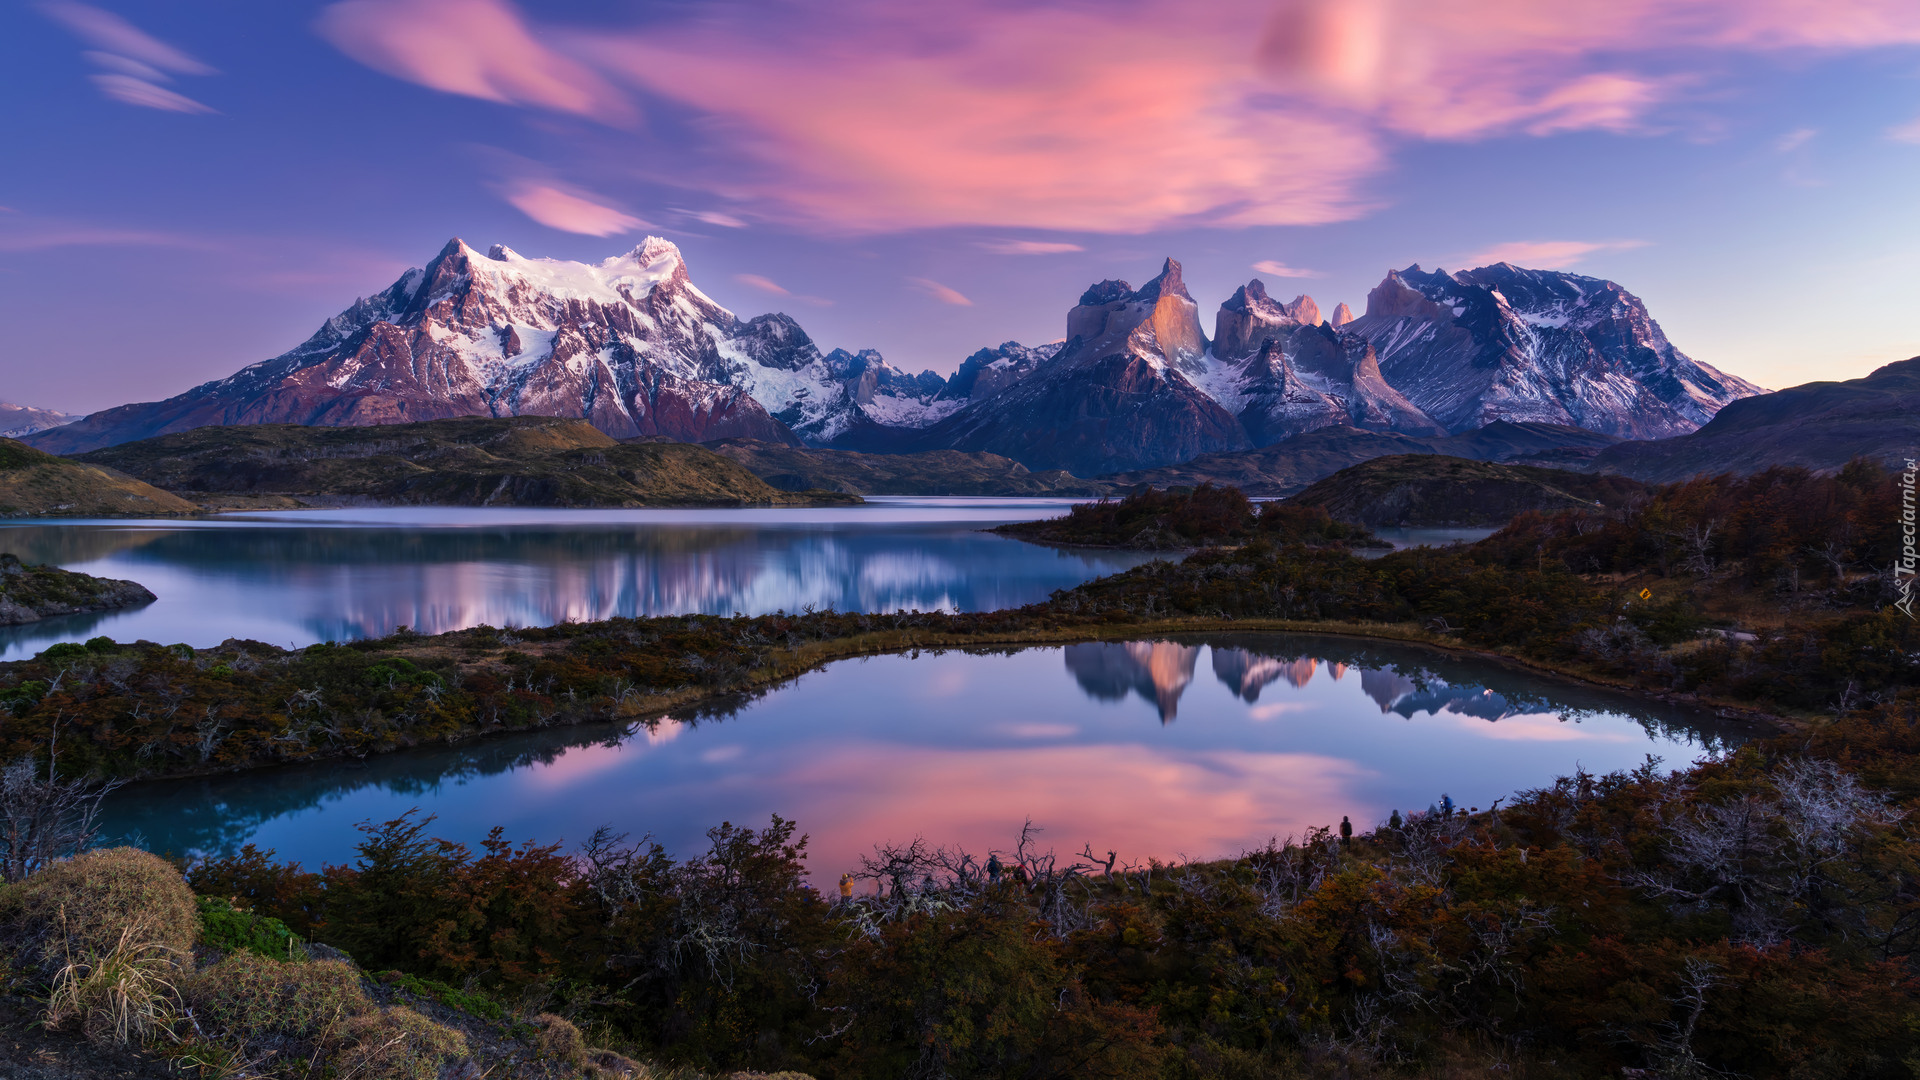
(429, 906)
(84, 906)
(395, 1043)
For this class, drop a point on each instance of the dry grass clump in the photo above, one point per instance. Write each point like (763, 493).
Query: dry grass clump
(123, 997)
(559, 1039)
(83, 908)
(255, 1001)
(395, 1043)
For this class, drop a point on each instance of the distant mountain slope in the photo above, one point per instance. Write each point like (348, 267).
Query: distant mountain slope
(1820, 425)
(1506, 343)
(1436, 490)
(1293, 464)
(34, 483)
(1119, 394)
(932, 472)
(473, 461)
(18, 420)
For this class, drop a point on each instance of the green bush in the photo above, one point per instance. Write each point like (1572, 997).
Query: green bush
(82, 907)
(66, 650)
(233, 929)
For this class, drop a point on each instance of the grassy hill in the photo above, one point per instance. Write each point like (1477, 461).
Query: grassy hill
(1433, 490)
(1290, 465)
(1820, 426)
(34, 483)
(934, 472)
(470, 461)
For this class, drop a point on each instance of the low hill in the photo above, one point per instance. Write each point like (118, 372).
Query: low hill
(1434, 490)
(933, 472)
(34, 483)
(1153, 520)
(469, 461)
(1820, 425)
(1292, 464)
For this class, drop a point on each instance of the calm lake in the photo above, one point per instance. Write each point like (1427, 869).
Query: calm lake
(333, 575)
(1197, 747)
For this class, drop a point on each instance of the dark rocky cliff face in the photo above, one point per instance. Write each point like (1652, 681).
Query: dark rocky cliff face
(1115, 396)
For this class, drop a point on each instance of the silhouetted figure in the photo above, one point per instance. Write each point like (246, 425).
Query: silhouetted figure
(1395, 821)
(1346, 831)
(993, 869)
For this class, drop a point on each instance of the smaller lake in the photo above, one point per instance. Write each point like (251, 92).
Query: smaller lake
(1195, 747)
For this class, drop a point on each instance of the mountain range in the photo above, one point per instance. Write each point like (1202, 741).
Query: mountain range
(18, 420)
(633, 347)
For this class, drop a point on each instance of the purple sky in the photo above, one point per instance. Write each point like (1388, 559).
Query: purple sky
(191, 186)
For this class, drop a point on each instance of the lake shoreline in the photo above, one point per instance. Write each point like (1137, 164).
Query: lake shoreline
(788, 666)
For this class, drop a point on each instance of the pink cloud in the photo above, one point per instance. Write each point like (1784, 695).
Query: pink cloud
(1280, 269)
(478, 48)
(1908, 132)
(1547, 254)
(941, 292)
(132, 91)
(762, 283)
(1124, 117)
(114, 35)
(1028, 247)
(564, 210)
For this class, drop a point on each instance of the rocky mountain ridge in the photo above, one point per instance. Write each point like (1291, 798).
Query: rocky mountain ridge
(633, 347)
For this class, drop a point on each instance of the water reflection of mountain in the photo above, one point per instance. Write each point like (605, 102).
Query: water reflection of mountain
(341, 582)
(1405, 680)
(1158, 671)
(1245, 672)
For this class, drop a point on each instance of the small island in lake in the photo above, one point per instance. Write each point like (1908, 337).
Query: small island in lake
(1206, 516)
(29, 593)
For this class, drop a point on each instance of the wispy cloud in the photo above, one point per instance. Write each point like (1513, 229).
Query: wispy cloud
(47, 236)
(1280, 269)
(1157, 113)
(764, 284)
(134, 91)
(1908, 132)
(1793, 140)
(571, 212)
(1028, 247)
(477, 48)
(767, 284)
(941, 292)
(135, 62)
(1547, 254)
(714, 217)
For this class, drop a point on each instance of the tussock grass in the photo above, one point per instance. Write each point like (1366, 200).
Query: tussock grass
(252, 1000)
(124, 997)
(395, 1043)
(85, 906)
